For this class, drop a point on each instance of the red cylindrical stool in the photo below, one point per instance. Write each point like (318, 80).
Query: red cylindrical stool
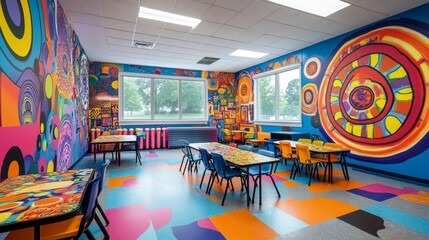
(147, 137)
(131, 131)
(164, 137)
(158, 137)
(152, 138)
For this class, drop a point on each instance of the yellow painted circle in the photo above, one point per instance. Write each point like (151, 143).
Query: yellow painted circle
(115, 84)
(50, 167)
(20, 46)
(44, 145)
(48, 86)
(42, 127)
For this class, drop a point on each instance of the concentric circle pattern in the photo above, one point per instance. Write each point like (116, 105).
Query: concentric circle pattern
(309, 99)
(372, 98)
(312, 68)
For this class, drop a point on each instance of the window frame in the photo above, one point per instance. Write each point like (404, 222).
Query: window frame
(153, 121)
(276, 73)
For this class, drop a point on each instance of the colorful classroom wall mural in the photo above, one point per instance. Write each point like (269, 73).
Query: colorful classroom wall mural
(223, 111)
(368, 90)
(43, 89)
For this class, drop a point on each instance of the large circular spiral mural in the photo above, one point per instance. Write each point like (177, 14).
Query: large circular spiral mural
(372, 98)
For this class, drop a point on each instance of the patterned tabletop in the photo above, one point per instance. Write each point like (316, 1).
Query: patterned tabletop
(238, 157)
(316, 148)
(115, 139)
(38, 196)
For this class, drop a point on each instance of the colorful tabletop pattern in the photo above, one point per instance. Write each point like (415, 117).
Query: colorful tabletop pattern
(35, 196)
(234, 155)
(115, 139)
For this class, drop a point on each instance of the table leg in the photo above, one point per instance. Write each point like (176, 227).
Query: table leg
(37, 232)
(247, 187)
(260, 185)
(331, 172)
(343, 156)
(119, 155)
(95, 151)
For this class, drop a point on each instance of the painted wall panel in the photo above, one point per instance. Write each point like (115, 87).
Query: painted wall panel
(43, 89)
(367, 90)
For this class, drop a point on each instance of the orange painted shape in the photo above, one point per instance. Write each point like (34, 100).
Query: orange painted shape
(241, 224)
(119, 182)
(315, 210)
(283, 174)
(9, 94)
(339, 184)
(378, 133)
(386, 64)
(403, 107)
(214, 198)
(291, 184)
(374, 111)
(421, 197)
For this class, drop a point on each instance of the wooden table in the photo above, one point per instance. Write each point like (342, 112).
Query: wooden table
(240, 158)
(33, 200)
(328, 151)
(117, 140)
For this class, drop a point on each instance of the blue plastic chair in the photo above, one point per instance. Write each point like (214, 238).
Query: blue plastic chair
(102, 173)
(191, 158)
(245, 147)
(205, 156)
(266, 169)
(226, 173)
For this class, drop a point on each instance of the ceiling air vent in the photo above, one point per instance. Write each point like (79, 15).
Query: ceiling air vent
(207, 60)
(144, 45)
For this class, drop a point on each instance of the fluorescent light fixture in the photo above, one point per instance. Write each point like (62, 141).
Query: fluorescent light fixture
(318, 7)
(168, 17)
(249, 54)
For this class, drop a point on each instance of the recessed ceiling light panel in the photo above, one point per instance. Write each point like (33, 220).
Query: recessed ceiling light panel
(168, 17)
(248, 54)
(318, 7)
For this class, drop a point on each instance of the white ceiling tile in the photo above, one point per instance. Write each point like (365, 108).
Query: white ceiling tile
(219, 15)
(388, 7)
(118, 34)
(79, 17)
(247, 36)
(118, 24)
(191, 8)
(206, 1)
(299, 33)
(356, 16)
(162, 5)
(148, 29)
(178, 28)
(118, 41)
(236, 5)
(266, 39)
(218, 49)
(187, 44)
(283, 15)
(173, 34)
(119, 10)
(168, 41)
(260, 9)
(228, 32)
(196, 38)
(265, 26)
(206, 28)
(320, 24)
(91, 7)
(243, 20)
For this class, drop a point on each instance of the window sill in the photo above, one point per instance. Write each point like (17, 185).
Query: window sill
(278, 123)
(162, 122)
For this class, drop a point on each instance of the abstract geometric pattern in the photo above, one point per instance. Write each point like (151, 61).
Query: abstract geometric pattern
(372, 98)
(380, 192)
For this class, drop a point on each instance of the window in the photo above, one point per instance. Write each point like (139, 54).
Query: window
(158, 99)
(278, 96)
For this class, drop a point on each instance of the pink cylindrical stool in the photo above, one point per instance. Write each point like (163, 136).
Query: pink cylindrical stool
(164, 137)
(147, 137)
(158, 137)
(131, 131)
(152, 138)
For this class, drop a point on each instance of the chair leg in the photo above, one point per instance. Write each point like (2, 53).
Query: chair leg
(274, 183)
(100, 224)
(186, 164)
(183, 159)
(226, 191)
(202, 179)
(254, 188)
(102, 213)
(89, 234)
(309, 177)
(211, 180)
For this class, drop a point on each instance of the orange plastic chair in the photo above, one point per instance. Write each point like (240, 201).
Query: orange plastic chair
(306, 160)
(288, 154)
(304, 140)
(334, 158)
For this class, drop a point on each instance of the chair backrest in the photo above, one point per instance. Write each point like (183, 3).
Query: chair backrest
(245, 147)
(286, 149)
(90, 198)
(266, 153)
(303, 153)
(219, 164)
(333, 145)
(233, 145)
(102, 173)
(318, 142)
(304, 140)
(205, 156)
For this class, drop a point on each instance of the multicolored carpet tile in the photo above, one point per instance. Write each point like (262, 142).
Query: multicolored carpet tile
(156, 201)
